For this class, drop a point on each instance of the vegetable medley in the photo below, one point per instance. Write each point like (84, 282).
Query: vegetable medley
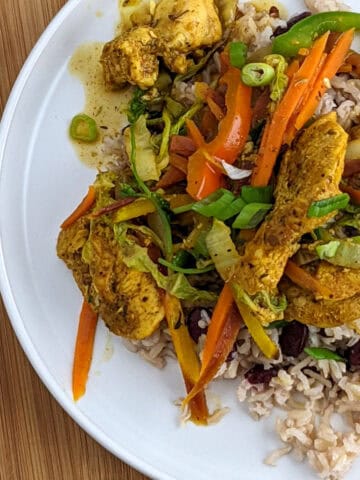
(236, 198)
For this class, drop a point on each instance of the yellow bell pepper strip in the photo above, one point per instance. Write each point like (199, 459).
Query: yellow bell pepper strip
(256, 330)
(138, 208)
(275, 129)
(305, 280)
(233, 132)
(83, 349)
(85, 205)
(219, 343)
(187, 357)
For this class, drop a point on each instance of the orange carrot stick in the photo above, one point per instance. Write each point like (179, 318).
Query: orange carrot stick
(222, 345)
(305, 280)
(83, 349)
(81, 209)
(215, 109)
(194, 133)
(333, 62)
(272, 141)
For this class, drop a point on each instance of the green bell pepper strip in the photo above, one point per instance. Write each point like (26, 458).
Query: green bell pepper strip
(303, 33)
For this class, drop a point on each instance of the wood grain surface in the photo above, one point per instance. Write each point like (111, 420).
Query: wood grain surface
(38, 440)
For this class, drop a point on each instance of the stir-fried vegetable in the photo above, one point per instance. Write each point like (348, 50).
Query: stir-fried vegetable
(323, 354)
(257, 74)
(305, 280)
(251, 215)
(237, 54)
(328, 205)
(81, 210)
(83, 349)
(342, 252)
(303, 33)
(222, 250)
(83, 128)
(281, 78)
(186, 354)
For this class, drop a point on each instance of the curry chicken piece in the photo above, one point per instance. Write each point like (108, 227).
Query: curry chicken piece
(343, 307)
(310, 171)
(128, 301)
(179, 28)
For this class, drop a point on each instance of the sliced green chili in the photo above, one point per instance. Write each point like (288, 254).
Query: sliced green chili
(257, 74)
(323, 354)
(328, 205)
(303, 33)
(237, 54)
(83, 128)
(251, 215)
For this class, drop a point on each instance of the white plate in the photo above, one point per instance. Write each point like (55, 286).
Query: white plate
(128, 407)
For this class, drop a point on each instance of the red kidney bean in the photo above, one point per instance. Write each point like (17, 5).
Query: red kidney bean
(193, 323)
(353, 355)
(258, 375)
(293, 339)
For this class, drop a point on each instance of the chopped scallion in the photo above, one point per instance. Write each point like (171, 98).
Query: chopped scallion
(83, 128)
(251, 215)
(256, 194)
(328, 205)
(323, 354)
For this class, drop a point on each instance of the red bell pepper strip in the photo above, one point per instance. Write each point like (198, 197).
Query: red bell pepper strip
(230, 140)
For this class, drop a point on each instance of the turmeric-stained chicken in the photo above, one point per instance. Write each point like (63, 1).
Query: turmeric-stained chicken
(128, 301)
(342, 306)
(178, 29)
(310, 171)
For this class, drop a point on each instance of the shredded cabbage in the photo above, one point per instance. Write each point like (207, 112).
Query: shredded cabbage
(280, 81)
(222, 249)
(344, 253)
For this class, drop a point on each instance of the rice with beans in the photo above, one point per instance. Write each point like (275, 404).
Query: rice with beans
(319, 399)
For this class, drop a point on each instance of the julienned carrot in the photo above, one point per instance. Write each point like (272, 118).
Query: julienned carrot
(187, 357)
(291, 130)
(353, 192)
(194, 133)
(81, 209)
(333, 62)
(218, 319)
(292, 68)
(83, 349)
(305, 280)
(273, 138)
(215, 109)
(223, 343)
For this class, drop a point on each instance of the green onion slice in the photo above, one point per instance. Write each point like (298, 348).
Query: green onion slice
(83, 128)
(257, 74)
(323, 354)
(251, 215)
(328, 205)
(214, 204)
(237, 54)
(256, 194)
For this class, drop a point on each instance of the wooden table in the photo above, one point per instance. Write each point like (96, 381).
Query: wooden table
(38, 440)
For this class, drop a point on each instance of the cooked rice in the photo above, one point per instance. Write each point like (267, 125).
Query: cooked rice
(255, 28)
(316, 6)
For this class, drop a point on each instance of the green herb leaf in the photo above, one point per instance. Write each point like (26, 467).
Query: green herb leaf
(328, 205)
(323, 354)
(137, 105)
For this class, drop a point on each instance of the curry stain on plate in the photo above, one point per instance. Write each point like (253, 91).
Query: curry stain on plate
(107, 108)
